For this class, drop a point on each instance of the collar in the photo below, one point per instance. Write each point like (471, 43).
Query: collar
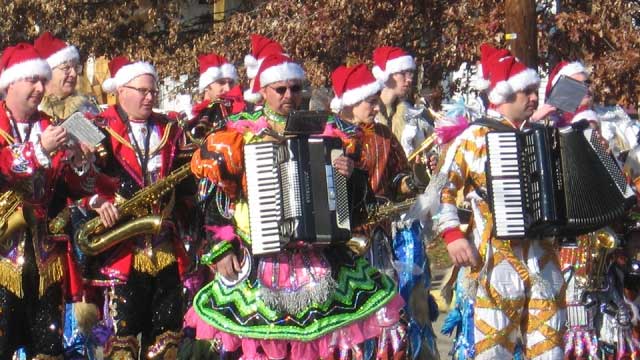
(273, 116)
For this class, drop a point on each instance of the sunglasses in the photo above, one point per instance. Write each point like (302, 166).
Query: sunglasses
(283, 89)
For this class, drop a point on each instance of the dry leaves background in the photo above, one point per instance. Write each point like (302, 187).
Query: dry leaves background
(324, 33)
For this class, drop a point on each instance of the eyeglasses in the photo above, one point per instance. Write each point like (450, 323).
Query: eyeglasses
(283, 89)
(144, 91)
(66, 68)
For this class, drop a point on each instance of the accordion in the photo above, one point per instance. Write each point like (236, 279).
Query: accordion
(553, 182)
(295, 195)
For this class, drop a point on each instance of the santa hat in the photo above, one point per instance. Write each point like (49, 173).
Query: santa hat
(563, 68)
(122, 71)
(54, 50)
(352, 85)
(274, 68)
(214, 67)
(20, 62)
(390, 60)
(261, 47)
(504, 73)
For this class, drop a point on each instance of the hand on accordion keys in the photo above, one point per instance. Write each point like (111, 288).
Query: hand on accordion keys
(343, 165)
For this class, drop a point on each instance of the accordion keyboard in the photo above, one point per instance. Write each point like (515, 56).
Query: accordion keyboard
(264, 189)
(507, 199)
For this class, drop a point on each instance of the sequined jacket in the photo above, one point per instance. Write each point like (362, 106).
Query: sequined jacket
(221, 160)
(22, 170)
(117, 158)
(60, 109)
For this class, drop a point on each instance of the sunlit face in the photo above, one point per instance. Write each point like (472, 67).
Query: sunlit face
(138, 96)
(283, 96)
(365, 111)
(400, 83)
(218, 88)
(27, 93)
(521, 105)
(64, 78)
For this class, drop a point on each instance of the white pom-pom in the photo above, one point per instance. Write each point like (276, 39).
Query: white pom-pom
(109, 85)
(336, 105)
(379, 74)
(252, 97)
(252, 65)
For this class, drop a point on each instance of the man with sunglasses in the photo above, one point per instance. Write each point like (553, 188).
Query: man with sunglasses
(34, 164)
(60, 99)
(304, 302)
(141, 274)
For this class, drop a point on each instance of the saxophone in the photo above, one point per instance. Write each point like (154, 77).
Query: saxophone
(390, 209)
(93, 239)
(11, 214)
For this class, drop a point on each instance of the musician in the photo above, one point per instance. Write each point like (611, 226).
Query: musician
(59, 102)
(320, 283)
(61, 99)
(34, 160)
(261, 47)
(515, 288)
(141, 274)
(379, 153)
(395, 69)
(578, 72)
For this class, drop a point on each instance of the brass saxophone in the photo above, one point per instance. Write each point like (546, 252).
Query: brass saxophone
(92, 238)
(390, 209)
(11, 214)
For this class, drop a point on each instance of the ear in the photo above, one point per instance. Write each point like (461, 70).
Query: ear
(263, 92)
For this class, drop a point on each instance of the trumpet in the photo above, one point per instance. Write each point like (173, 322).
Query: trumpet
(426, 146)
(11, 214)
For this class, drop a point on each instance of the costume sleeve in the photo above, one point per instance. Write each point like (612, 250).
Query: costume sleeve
(398, 165)
(456, 168)
(221, 160)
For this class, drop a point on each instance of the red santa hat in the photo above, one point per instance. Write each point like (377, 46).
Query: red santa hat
(352, 85)
(274, 68)
(261, 47)
(504, 74)
(122, 71)
(20, 62)
(390, 60)
(54, 50)
(214, 67)
(563, 68)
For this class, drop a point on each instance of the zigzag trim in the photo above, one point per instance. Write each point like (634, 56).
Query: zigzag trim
(366, 296)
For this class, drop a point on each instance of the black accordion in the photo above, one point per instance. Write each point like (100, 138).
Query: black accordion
(553, 182)
(295, 195)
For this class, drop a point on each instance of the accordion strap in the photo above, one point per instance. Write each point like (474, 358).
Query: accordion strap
(493, 124)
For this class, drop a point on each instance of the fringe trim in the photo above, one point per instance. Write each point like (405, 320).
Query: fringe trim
(292, 302)
(153, 264)
(165, 346)
(11, 278)
(48, 357)
(50, 273)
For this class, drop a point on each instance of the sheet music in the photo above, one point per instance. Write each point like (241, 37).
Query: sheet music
(81, 129)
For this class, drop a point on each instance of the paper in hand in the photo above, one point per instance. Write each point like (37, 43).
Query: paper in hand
(567, 94)
(81, 129)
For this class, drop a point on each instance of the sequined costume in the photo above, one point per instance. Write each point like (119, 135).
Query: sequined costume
(518, 291)
(301, 303)
(379, 153)
(60, 109)
(141, 274)
(408, 123)
(32, 263)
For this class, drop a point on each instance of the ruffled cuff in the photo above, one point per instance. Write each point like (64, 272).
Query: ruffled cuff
(216, 252)
(41, 155)
(452, 234)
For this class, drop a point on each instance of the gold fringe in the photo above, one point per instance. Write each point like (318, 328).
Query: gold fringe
(50, 273)
(48, 357)
(152, 265)
(11, 278)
